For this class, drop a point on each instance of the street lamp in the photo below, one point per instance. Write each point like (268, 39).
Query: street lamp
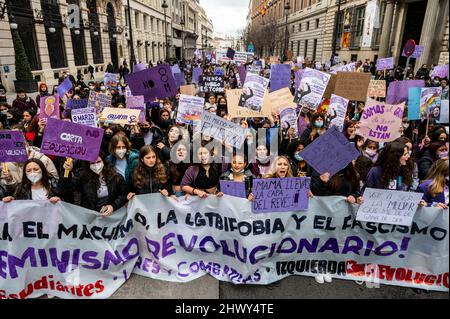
(132, 57)
(287, 7)
(165, 6)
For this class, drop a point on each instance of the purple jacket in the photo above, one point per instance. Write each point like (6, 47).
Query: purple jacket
(424, 187)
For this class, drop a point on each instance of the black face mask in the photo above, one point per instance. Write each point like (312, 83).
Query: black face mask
(145, 130)
(165, 123)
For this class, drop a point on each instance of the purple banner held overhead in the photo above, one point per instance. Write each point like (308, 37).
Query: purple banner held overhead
(77, 104)
(64, 87)
(179, 79)
(330, 153)
(235, 189)
(157, 82)
(280, 76)
(137, 103)
(139, 67)
(280, 194)
(440, 71)
(398, 90)
(12, 147)
(66, 139)
(242, 73)
(196, 73)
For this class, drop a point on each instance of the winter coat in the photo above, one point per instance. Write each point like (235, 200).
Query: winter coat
(132, 160)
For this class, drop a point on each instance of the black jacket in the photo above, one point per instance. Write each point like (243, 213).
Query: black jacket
(424, 164)
(319, 188)
(151, 184)
(79, 182)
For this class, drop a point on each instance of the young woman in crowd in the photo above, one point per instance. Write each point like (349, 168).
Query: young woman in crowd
(280, 168)
(434, 151)
(150, 175)
(435, 188)
(370, 150)
(100, 187)
(122, 157)
(43, 92)
(363, 165)
(238, 172)
(23, 103)
(261, 165)
(316, 129)
(299, 166)
(30, 125)
(178, 166)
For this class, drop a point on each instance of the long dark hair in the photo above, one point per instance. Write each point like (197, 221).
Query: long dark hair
(347, 174)
(389, 160)
(26, 184)
(108, 172)
(142, 172)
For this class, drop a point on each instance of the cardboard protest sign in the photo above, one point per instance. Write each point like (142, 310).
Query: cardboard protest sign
(398, 90)
(179, 79)
(12, 147)
(352, 85)
(222, 130)
(64, 87)
(157, 82)
(385, 64)
(253, 92)
(337, 110)
(430, 99)
(440, 71)
(444, 112)
(279, 100)
(77, 104)
(231, 53)
(188, 89)
(414, 103)
(120, 116)
(236, 111)
(84, 116)
(236, 189)
(137, 103)
(330, 153)
(330, 87)
(66, 139)
(280, 194)
(196, 73)
(212, 84)
(377, 88)
(111, 80)
(49, 106)
(280, 76)
(380, 121)
(388, 207)
(99, 101)
(288, 119)
(190, 109)
(311, 89)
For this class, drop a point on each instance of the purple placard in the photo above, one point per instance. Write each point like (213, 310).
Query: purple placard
(77, 104)
(280, 76)
(49, 106)
(12, 147)
(398, 90)
(235, 189)
(157, 82)
(66, 139)
(280, 194)
(64, 87)
(440, 71)
(179, 79)
(196, 73)
(137, 103)
(139, 67)
(385, 64)
(331, 152)
(242, 73)
(417, 53)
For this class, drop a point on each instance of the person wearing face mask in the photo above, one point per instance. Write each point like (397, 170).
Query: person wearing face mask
(101, 189)
(299, 166)
(370, 150)
(238, 172)
(435, 188)
(261, 165)
(392, 169)
(150, 175)
(43, 92)
(316, 129)
(164, 121)
(23, 102)
(36, 184)
(122, 157)
(178, 164)
(222, 108)
(434, 151)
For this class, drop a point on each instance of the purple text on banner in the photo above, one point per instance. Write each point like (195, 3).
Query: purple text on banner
(280, 194)
(414, 103)
(77, 104)
(398, 90)
(64, 87)
(12, 147)
(330, 153)
(196, 73)
(280, 76)
(235, 189)
(66, 139)
(157, 82)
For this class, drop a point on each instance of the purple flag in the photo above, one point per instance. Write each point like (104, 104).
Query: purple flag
(398, 90)
(331, 152)
(64, 87)
(66, 139)
(12, 147)
(157, 82)
(280, 194)
(137, 102)
(139, 67)
(179, 79)
(280, 76)
(233, 189)
(242, 73)
(196, 73)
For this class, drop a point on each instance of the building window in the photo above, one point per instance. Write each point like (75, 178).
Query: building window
(55, 43)
(298, 47)
(78, 41)
(136, 20)
(307, 26)
(317, 23)
(300, 27)
(305, 52)
(95, 31)
(309, 3)
(340, 28)
(293, 28)
(301, 4)
(354, 58)
(378, 25)
(357, 26)
(292, 46)
(314, 50)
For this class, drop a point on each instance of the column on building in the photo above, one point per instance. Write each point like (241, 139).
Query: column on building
(47, 74)
(429, 29)
(441, 25)
(384, 50)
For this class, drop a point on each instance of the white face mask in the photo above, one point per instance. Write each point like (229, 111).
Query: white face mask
(121, 153)
(34, 177)
(97, 168)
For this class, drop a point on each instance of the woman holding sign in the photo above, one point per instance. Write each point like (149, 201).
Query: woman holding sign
(435, 189)
(316, 129)
(37, 184)
(239, 173)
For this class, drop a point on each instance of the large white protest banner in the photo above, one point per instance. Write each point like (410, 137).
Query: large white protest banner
(222, 130)
(71, 252)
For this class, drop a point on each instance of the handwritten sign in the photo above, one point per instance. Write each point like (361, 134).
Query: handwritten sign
(222, 130)
(196, 73)
(280, 76)
(352, 85)
(236, 111)
(66, 139)
(311, 89)
(64, 87)
(111, 80)
(377, 88)
(279, 100)
(120, 116)
(212, 84)
(99, 101)
(337, 110)
(388, 207)
(190, 109)
(280, 194)
(330, 153)
(385, 64)
(49, 107)
(157, 82)
(253, 92)
(380, 121)
(236, 189)
(84, 116)
(12, 147)
(430, 98)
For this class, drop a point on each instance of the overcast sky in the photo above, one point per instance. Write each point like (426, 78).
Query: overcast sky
(228, 16)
